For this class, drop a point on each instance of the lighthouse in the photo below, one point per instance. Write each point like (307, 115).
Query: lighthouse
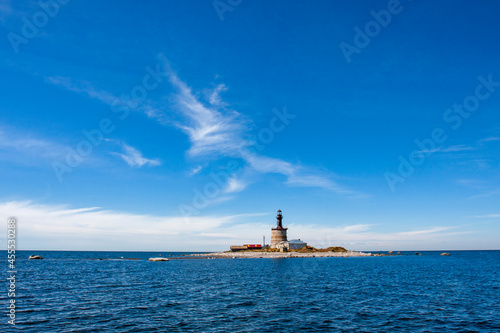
(278, 234)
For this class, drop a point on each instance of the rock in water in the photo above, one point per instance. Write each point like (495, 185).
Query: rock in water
(445, 254)
(158, 259)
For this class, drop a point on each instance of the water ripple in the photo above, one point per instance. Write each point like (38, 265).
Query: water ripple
(428, 293)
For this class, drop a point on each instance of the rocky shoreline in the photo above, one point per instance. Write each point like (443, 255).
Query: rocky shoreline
(264, 254)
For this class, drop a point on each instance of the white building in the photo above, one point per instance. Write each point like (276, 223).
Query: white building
(293, 244)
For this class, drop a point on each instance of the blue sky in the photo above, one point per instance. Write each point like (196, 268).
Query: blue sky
(204, 118)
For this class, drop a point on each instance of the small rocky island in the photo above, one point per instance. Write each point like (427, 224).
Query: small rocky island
(281, 247)
(306, 252)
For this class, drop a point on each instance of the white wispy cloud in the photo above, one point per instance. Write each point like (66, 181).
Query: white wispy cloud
(215, 98)
(426, 231)
(485, 194)
(363, 237)
(235, 185)
(21, 146)
(195, 170)
(477, 184)
(357, 227)
(296, 174)
(213, 129)
(134, 158)
(450, 149)
(22, 143)
(85, 88)
(488, 216)
(210, 130)
(93, 228)
(58, 227)
(490, 139)
(460, 148)
(457, 148)
(82, 87)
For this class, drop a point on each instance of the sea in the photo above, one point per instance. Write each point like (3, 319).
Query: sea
(71, 291)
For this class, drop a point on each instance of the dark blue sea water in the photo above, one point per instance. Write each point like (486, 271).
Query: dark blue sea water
(67, 292)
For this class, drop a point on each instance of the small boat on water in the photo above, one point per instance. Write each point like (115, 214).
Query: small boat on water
(158, 259)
